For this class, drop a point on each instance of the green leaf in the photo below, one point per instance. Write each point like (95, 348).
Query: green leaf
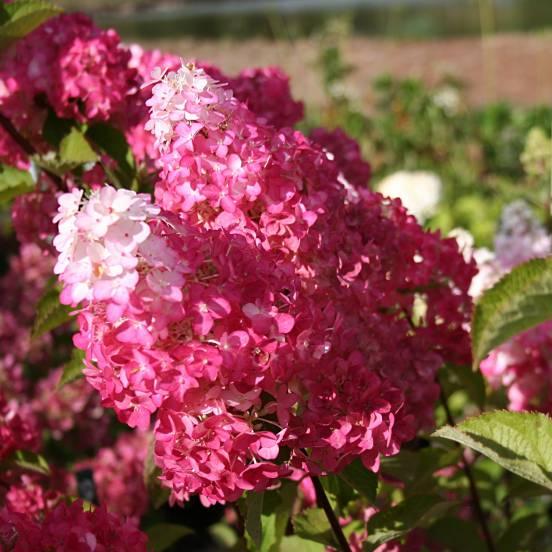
(456, 377)
(360, 479)
(519, 535)
(416, 469)
(457, 535)
(23, 16)
(395, 522)
(163, 535)
(312, 524)
(26, 460)
(297, 544)
(50, 313)
(520, 442)
(55, 128)
(14, 182)
(277, 507)
(253, 524)
(520, 300)
(158, 494)
(72, 371)
(74, 149)
(113, 143)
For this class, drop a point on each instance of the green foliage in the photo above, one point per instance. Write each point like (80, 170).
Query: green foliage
(520, 442)
(313, 525)
(393, 523)
(162, 536)
(296, 544)
(417, 468)
(113, 143)
(520, 300)
(454, 378)
(21, 17)
(14, 182)
(50, 313)
(72, 371)
(361, 480)
(74, 149)
(457, 535)
(158, 494)
(267, 516)
(28, 461)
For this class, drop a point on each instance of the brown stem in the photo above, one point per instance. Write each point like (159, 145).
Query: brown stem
(324, 503)
(476, 499)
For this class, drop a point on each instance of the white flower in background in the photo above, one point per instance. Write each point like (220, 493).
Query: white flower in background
(419, 191)
(487, 263)
(448, 99)
(520, 236)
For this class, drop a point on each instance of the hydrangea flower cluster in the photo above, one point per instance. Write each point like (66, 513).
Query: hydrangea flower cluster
(346, 153)
(523, 365)
(91, 82)
(20, 290)
(263, 308)
(18, 428)
(118, 473)
(70, 411)
(69, 528)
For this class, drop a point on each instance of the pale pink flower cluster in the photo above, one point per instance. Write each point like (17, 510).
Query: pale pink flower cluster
(98, 243)
(267, 309)
(523, 365)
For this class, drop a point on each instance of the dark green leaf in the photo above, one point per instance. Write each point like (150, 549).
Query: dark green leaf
(14, 182)
(72, 371)
(74, 149)
(520, 300)
(253, 524)
(113, 142)
(23, 16)
(416, 469)
(518, 441)
(312, 524)
(163, 535)
(157, 493)
(463, 377)
(55, 129)
(395, 522)
(361, 479)
(519, 535)
(457, 535)
(50, 313)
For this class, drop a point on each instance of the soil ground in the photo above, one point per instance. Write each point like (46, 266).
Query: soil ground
(513, 67)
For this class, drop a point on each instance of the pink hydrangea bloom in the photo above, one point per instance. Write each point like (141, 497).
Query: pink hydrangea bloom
(32, 215)
(266, 93)
(346, 153)
(118, 473)
(71, 411)
(90, 83)
(523, 364)
(69, 528)
(270, 309)
(20, 289)
(18, 428)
